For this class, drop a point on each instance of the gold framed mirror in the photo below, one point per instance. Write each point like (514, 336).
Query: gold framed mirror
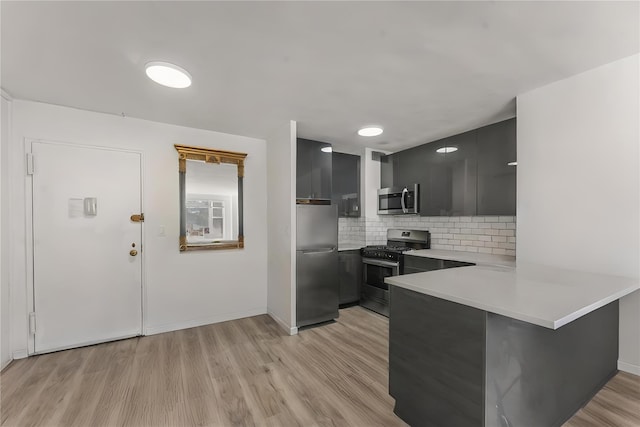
(211, 198)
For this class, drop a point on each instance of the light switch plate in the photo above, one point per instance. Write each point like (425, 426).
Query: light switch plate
(90, 206)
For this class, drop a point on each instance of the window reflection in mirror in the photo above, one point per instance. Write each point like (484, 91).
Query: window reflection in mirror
(211, 202)
(210, 198)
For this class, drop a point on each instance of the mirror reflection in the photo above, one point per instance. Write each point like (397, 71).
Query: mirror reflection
(211, 202)
(210, 198)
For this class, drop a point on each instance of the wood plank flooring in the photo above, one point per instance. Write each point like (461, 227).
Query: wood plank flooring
(617, 404)
(245, 372)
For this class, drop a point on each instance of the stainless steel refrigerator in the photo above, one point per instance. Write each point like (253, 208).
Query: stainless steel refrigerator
(317, 288)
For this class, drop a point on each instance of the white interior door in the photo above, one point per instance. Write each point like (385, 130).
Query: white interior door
(87, 284)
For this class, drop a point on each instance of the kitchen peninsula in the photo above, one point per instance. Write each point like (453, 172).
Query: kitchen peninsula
(491, 345)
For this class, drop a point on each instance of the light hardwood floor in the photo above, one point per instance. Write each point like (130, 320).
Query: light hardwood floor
(240, 373)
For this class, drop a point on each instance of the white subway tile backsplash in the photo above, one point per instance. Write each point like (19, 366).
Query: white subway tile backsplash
(483, 234)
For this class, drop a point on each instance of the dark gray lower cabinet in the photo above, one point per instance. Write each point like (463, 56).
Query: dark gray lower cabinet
(453, 365)
(349, 276)
(418, 264)
(436, 360)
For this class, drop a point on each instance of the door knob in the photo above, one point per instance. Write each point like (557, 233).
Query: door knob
(133, 252)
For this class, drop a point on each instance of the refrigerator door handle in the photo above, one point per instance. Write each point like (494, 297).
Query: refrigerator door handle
(318, 251)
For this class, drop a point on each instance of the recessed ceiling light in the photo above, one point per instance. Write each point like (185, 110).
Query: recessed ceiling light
(168, 74)
(512, 164)
(444, 150)
(370, 131)
(326, 149)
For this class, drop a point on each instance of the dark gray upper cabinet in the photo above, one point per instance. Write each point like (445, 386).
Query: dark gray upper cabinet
(473, 180)
(346, 184)
(387, 166)
(496, 178)
(451, 177)
(313, 170)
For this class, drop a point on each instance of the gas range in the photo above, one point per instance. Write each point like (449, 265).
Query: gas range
(390, 252)
(398, 242)
(380, 261)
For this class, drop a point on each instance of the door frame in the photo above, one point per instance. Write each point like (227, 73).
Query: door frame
(28, 145)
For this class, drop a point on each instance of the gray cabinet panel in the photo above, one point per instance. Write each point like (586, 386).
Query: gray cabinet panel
(349, 276)
(387, 165)
(436, 360)
(496, 179)
(452, 177)
(420, 264)
(541, 377)
(313, 170)
(454, 365)
(346, 184)
(417, 264)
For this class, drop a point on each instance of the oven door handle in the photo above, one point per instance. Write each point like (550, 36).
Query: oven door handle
(379, 262)
(405, 192)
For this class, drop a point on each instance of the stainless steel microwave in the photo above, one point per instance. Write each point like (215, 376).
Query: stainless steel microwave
(399, 200)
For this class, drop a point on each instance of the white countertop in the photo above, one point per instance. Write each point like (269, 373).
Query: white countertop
(475, 258)
(541, 295)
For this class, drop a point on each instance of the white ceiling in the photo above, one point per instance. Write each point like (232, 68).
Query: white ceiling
(423, 70)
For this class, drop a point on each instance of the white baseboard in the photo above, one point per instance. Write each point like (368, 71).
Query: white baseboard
(5, 364)
(291, 330)
(168, 327)
(20, 354)
(628, 367)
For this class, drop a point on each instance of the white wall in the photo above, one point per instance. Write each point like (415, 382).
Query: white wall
(578, 181)
(182, 289)
(281, 213)
(5, 319)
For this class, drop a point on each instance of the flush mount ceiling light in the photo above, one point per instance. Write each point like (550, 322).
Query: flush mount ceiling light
(512, 164)
(370, 131)
(444, 150)
(326, 149)
(167, 74)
